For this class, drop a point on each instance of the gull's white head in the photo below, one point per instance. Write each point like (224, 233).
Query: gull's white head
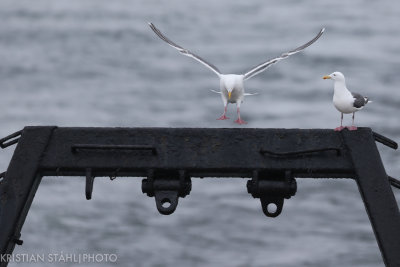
(336, 76)
(229, 82)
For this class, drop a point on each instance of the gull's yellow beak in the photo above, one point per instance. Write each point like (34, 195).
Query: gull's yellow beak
(326, 77)
(229, 95)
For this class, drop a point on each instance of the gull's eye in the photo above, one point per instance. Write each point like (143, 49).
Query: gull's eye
(334, 74)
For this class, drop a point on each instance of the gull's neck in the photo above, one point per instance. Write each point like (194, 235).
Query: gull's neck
(340, 88)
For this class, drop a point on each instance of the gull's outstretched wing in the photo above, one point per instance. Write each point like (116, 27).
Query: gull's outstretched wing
(263, 66)
(184, 51)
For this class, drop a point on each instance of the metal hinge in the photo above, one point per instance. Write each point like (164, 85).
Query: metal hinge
(166, 187)
(272, 189)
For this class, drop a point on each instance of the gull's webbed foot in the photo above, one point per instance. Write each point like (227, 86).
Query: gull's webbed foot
(223, 117)
(352, 128)
(338, 129)
(240, 121)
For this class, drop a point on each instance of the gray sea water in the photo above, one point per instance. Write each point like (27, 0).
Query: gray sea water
(96, 63)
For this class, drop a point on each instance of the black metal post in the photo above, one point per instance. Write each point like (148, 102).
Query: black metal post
(376, 193)
(19, 186)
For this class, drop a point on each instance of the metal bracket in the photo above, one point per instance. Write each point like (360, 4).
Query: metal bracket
(16, 239)
(394, 182)
(272, 189)
(385, 141)
(89, 184)
(166, 187)
(10, 139)
(75, 148)
(300, 153)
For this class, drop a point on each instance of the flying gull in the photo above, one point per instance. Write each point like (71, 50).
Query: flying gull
(231, 85)
(344, 100)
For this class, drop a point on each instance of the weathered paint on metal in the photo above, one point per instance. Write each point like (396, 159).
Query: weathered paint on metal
(169, 157)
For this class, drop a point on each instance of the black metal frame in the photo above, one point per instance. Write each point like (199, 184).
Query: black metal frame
(170, 157)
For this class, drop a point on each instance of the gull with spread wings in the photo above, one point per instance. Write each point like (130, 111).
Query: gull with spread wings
(231, 85)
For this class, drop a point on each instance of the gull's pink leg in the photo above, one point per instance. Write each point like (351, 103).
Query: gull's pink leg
(223, 117)
(352, 128)
(338, 129)
(239, 120)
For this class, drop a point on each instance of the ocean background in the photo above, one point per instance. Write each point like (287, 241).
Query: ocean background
(97, 63)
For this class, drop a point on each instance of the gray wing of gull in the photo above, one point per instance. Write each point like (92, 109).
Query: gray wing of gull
(184, 51)
(359, 100)
(263, 66)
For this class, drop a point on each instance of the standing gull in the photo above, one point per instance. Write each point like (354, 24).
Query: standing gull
(231, 85)
(344, 100)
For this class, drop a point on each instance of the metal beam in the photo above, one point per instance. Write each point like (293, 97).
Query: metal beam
(376, 194)
(169, 157)
(19, 185)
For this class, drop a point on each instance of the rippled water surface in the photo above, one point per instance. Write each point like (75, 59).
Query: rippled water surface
(96, 63)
